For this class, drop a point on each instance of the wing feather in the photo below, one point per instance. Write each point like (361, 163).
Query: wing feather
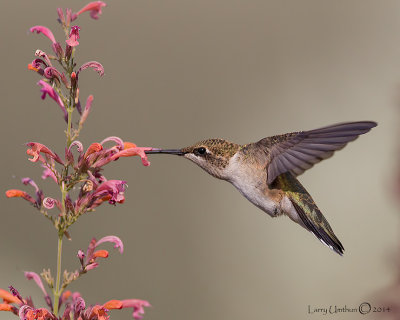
(298, 151)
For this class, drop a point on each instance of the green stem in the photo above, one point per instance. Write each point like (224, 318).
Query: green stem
(69, 128)
(57, 291)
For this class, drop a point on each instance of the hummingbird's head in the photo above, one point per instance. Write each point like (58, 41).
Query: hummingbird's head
(212, 155)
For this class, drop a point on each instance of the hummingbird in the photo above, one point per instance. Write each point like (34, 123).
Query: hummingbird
(265, 172)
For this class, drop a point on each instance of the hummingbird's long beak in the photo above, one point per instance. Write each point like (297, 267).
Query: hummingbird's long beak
(167, 151)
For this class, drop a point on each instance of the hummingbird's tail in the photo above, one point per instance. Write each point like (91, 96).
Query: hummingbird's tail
(319, 226)
(310, 216)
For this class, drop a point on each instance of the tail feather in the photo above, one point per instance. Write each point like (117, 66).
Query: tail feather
(321, 229)
(310, 216)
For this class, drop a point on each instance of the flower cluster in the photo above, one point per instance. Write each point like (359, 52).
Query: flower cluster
(74, 305)
(87, 166)
(79, 169)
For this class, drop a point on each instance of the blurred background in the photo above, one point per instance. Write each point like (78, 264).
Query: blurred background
(180, 71)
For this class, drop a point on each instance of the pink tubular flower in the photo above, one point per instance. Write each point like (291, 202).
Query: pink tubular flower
(35, 150)
(47, 173)
(36, 278)
(93, 148)
(117, 140)
(53, 73)
(48, 89)
(41, 54)
(97, 312)
(111, 190)
(8, 297)
(73, 36)
(5, 307)
(114, 239)
(15, 193)
(33, 275)
(94, 8)
(39, 193)
(136, 304)
(28, 313)
(136, 151)
(89, 260)
(27, 181)
(81, 256)
(100, 254)
(61, 15)
(91, 266)
(96, 66)
(86, 111)
(46, 32)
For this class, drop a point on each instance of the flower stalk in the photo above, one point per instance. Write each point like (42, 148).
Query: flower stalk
(80, 169)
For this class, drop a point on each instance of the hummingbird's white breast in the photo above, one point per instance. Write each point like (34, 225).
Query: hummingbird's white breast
(252, 184)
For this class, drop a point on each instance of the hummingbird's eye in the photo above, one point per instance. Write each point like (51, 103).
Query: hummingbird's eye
(201, 150)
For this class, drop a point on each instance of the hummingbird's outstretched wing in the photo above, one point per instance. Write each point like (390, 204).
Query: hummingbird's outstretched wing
(298, 151)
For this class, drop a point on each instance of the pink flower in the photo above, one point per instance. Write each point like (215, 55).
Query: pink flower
(97, 66)
(111, 190)
(61, 16)
(93, 148)
(86, 111)
(8, 297)
(97, 312)
(81, 256)
(53, 73)
(36, 65)
(117, 140)
(91, 266)
(47, 173)
(28, 180)
(39, 193)
(15, 193)
(94, 8)
(36, 278)
(35, 150)
(28, 313)
(69, 157)
(48, 89)
(16, 294)
(114, 239)
(5, 307)
(136, 304)
(73, 36)
(136, 151)
(49, 203)
(46, 32)
(41, 54)
(92, 256)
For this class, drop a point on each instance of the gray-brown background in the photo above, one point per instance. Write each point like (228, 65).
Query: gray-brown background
(180, 71)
